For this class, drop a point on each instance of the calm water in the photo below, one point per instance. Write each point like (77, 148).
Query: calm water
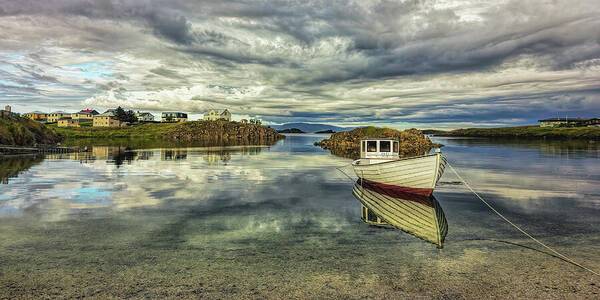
(280, 221)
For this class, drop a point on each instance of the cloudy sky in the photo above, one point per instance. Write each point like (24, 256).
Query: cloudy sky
(395, 63)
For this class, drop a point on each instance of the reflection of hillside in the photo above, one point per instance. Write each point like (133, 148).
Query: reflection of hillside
(156, 144)
(550, 147)
(11, 167)
(112, 154)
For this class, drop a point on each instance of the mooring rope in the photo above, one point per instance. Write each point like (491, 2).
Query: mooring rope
(562, 256)
(340, 169)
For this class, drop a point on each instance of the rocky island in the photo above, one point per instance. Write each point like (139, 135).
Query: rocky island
(347, 143)
(222, 131)
(291, 130)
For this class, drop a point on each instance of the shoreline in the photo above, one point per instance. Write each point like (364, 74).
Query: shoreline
(523, 132)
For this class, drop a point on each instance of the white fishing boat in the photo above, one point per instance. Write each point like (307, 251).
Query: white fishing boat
(380, 164)
(420, 216)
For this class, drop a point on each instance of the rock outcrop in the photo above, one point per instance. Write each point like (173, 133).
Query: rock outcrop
(225, 131)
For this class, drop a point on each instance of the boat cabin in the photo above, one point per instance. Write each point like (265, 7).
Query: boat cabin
(386, 149)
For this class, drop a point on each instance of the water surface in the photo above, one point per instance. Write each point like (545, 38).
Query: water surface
(280, 221)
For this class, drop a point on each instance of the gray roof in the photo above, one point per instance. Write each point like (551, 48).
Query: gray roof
(106, 114)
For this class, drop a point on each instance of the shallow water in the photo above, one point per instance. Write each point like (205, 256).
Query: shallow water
(280, 221)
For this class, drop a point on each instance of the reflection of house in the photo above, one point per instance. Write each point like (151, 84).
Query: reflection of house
(68, 122)
(101, 152)
(173, 117)
(569, 122)
(36, 116)
(53, 117)
(213, 158)
(214, 115)
(86, 114)
(107, 119)
(144, 116)
(145, 155)
(173, 154)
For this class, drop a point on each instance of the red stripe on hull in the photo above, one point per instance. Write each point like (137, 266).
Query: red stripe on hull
(396, 191)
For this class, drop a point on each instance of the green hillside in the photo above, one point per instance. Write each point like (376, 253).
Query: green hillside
(187, 132)
(24, 132)
(592, 133)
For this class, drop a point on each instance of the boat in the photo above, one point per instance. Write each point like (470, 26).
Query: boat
(420, 216)
(381, 165)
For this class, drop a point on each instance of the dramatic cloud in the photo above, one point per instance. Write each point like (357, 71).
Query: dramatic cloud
(398, 63)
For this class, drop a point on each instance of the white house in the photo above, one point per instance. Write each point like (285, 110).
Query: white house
(214, 115)
(174, 117)
(144, 116)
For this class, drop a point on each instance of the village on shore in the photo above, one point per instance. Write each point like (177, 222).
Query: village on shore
(117, 117)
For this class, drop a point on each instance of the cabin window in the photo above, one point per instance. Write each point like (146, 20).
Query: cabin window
(396, 147)
(363, 146)
(371, 146)
(385, 146)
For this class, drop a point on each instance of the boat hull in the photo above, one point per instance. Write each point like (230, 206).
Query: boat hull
(416, 175)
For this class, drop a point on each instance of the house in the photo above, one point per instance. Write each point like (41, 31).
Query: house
(144, 116)
(86, 114)
(37, 116)
(53, 117)
(214, 115)
(107, 119)
(594, 122)
(568, 122)
(174, 117)
(7, 112)
(68, 122)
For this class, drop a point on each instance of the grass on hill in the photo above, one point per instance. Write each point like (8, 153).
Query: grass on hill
(176, 132)
(21, 131)
(141, 131)
(526, 132)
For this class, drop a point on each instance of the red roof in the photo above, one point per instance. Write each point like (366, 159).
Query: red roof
(89, 111)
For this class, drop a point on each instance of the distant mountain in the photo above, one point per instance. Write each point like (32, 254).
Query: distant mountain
(326, 131)
(310, 127)
(291, 130)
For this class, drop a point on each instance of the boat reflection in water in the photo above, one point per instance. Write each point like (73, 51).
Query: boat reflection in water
(418, 215)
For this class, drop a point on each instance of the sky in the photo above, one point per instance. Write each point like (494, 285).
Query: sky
(424, 64)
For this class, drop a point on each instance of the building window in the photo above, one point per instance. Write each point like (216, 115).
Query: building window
(371, 146)
(385, 146)
(396, 147)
